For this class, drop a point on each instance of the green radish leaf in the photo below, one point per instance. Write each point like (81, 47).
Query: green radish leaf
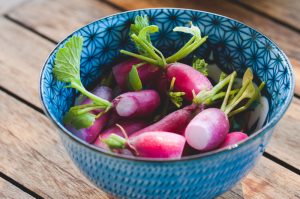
(193, 30)
(67, 61)
(79, 121)
(134, 80)
(140, 22)
(200, 65)
(222, 76)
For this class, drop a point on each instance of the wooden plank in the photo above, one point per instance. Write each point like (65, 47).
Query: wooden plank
(8, 5)
(283, 36)
(66, 16)
(284, 11)
(32, 154)
(9, 191)
(286, 140)
(21, 59)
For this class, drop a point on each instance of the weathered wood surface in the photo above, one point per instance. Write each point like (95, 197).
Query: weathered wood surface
(21, 59)
(18, 52)
(56, 19)
(6, 6)
(9, 191)
(32, 154)
(286, 12)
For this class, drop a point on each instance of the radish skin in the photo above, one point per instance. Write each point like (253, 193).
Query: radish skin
(187, 79)
(137, 104)
(233, 138)
(174, 122)
(91, 133)
(207, 130)
(158, 144)
(129, 126)
(147, 72)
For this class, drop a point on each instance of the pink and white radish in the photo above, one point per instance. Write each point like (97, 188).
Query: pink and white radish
(156, 144)
(233, 138)
(188, 79)
(207, 130)
(137, 104)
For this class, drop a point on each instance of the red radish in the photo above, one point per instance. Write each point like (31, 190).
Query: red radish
(207, 130)
(156, 144)
(129, 127)
(137, 104)
(233, 138)
(147, 72)
(90, 134)
(187, 79)
(174, 122)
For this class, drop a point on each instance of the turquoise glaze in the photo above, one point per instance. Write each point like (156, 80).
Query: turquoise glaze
(234, 46)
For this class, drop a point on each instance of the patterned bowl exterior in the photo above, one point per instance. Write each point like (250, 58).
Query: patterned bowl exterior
(231, 44)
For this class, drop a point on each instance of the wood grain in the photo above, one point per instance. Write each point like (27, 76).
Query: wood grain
(285, 143)
(21, 59)
(284, 11)
(9, 191)
(66, 16)
(32, 154)
(8, 5)
(284, 37)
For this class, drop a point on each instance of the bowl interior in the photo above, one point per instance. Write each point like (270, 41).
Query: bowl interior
(231, 44)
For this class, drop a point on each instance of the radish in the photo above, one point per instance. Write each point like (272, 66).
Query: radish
(155, 144)
(89, 134)
(187, 79)
(209, 128)
(147, 72)
(136, 104)
(129, 126)
(174, 122)
(232, 138)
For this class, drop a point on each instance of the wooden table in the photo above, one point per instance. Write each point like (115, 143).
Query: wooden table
(33, 162)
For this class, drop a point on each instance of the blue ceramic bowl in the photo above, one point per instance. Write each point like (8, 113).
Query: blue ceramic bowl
(234, 46)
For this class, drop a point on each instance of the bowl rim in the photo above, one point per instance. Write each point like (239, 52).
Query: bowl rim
(267, 127)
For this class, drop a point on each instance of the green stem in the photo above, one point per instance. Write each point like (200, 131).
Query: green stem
(141, 57)
(85, 110)
(186, 51)
(181, 49)
(145, 46)
(97, 100)
(205, 95)
(228, 91)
